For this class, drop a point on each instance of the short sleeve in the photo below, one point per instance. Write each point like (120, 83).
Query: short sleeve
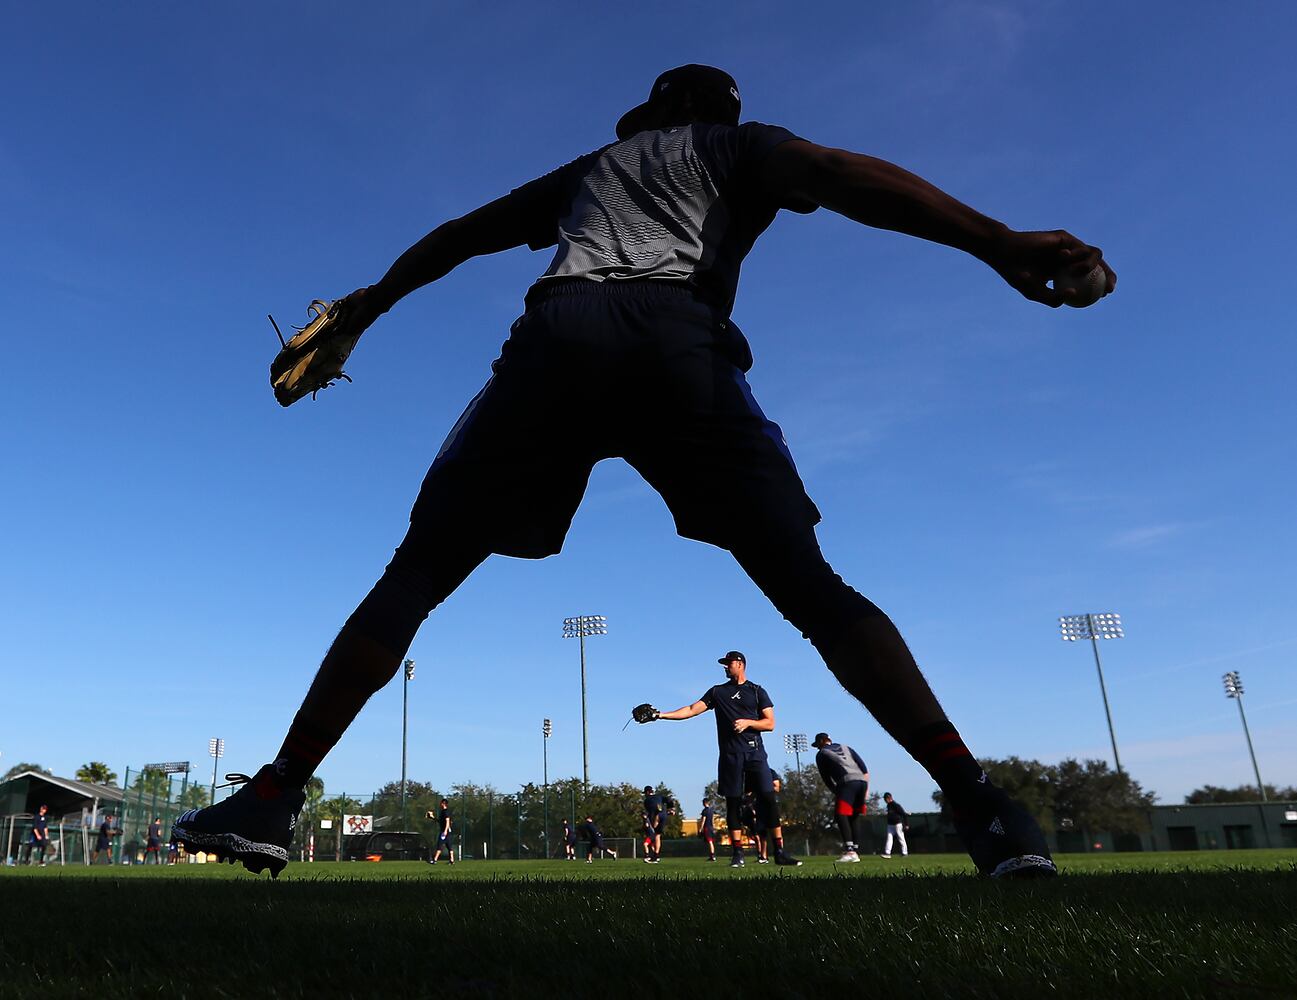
(542, 202)
(739, 152)
(709, 698)
(763, 699)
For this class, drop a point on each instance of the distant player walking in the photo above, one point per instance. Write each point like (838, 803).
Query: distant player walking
(743, 712)
(444, 842)
(39, 839)
(153, 842)
(848, 779)
(655, 811)
(569, 841)
(103, 842)
(707, 829)
(897, 819)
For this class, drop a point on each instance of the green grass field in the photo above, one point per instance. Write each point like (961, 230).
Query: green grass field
(1150, 925)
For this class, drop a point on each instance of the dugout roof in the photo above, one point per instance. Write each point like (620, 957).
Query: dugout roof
(27, 791)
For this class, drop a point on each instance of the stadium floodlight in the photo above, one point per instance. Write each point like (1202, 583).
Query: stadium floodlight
(546, 729)
(578, 628)
(795, 744)
(1234, 689)
(216, 748)
(1095, 627)
(405, 704)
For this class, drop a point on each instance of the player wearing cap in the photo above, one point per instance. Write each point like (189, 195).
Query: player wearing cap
(569, 841)
(593, 837)
(743, 712)
(626, 348)
(444, 842)
(896, 826)
(707, 829)
(655, 812)
(848, 779)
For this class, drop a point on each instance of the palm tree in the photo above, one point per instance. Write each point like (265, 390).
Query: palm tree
(96, 773)
(193, 797)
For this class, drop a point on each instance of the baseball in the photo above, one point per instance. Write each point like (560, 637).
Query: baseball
(1089, 288)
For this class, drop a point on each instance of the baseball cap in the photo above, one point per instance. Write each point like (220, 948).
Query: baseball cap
(713, 86)
(731, 656)
(820, 739)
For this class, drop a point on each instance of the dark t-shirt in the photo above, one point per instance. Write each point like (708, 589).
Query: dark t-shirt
(589, 831)
(443, 821)
(105, 831)
(730, 702)
(895, 814)
(682, 204)
(707, 819)
(155, 834)
(40, 825)
(568, 836)
(654, 804)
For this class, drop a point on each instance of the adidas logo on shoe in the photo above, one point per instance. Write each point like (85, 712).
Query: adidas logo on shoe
(997, 827)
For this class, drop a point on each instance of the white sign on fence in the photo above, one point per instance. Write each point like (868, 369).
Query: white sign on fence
(326, 824)
(357, 824)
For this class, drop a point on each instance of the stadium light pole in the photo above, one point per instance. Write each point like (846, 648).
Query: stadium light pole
(578, 628)
(1234, 689)
(795, 744)
(1095, 627)
(546, 729)
(405, 705)
(215, 747)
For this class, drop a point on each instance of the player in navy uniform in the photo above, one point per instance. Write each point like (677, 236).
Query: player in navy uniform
(897, 824)
(847, 777)
(103, 842)
(626, 348)
(569, 841)
(590, 833)
(743, 712)
(655, 809)
(153, 842)
(39, 838)
(444, 842)
(707, 829)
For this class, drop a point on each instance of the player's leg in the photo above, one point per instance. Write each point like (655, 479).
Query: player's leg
(887, 841)
(866, 653)
(760, 780)
(900, 839)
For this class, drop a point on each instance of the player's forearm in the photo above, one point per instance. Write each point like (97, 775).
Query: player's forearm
(687, 712)
(433, 257)
(877, 193)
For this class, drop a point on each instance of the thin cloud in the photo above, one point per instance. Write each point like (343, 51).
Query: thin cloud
(1150, 534)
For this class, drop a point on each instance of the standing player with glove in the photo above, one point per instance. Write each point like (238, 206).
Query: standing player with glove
(743, 712)
(650, 231)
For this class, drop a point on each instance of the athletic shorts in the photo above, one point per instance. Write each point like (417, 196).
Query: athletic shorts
(445, 838)
(851, 798)
(744, 770)
(643, 371)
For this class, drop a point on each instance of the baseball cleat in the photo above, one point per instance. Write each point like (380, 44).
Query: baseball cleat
(848, 857)
(1001, 837)
(736, 861)
(254, 826)
(784, 858)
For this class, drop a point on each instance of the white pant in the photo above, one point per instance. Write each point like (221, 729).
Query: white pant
(896, 830)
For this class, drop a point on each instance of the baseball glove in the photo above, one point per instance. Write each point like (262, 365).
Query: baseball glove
(312, 359)
(645, 713)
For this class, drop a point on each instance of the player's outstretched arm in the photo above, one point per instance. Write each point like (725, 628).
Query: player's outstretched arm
(687, 712)
(499, 225)
(877, 193)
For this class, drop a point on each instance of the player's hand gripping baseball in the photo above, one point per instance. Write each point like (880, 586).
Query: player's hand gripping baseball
(1029, 261)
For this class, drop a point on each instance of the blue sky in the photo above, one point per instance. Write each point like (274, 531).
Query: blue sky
(179, 551)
